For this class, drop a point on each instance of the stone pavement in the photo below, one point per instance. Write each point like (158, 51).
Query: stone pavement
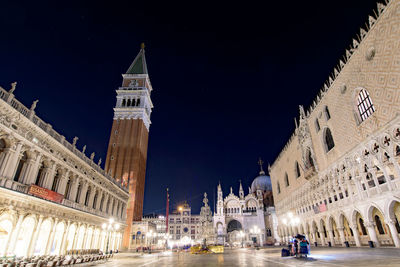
(320, 257)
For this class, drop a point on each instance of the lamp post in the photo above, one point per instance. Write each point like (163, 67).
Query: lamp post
(109, 226)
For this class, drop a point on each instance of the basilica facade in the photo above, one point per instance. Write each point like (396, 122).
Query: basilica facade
(337, 180)
(247, 219)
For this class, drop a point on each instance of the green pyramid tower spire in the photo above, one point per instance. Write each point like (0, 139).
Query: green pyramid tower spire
(139, 65)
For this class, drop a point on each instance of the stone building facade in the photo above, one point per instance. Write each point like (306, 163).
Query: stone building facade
(127, 148)
(53, 198)
(337, 179)
(250, 218)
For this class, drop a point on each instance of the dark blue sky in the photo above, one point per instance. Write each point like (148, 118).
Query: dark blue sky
(227, 78)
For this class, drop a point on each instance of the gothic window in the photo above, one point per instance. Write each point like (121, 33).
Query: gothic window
(327, 114)
(328, 139)
(363, 230)
(67, 189)
(310, 162)
(379, 225)
(286, 180)
(87, 196)
(78, 193)
(297, 170)
(364, 105)
(317, 126)
(21, 163)
(397, 150)
(123, 102)
(279, 188)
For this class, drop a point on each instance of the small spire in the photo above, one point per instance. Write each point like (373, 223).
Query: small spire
(260, 162)
(138, 65)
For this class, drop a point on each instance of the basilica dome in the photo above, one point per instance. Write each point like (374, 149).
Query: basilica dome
(261, 182)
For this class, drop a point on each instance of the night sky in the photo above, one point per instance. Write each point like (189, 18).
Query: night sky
(227, 78)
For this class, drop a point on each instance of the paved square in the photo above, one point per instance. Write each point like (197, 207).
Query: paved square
(265, 257)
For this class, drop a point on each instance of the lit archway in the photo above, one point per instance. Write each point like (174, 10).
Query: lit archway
(43, 237)
(58, 236)
(81, 234)
(25, 236)
(88, 243)
(6, 227)
(70, 237)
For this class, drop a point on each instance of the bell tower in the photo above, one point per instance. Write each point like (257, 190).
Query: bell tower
(127, 148)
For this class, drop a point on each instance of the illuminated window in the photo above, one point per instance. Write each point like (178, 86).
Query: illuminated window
(364, 105)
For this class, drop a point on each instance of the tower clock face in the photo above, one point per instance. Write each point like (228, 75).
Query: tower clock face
(185, 230)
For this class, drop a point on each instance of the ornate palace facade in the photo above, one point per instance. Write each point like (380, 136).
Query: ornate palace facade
(53, 198)
(337, 179)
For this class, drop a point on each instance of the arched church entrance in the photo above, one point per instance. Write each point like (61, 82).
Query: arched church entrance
(233, 232)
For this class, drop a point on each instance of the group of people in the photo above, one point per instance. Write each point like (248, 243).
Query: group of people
(299, 245)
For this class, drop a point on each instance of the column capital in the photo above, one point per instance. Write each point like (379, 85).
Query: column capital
(369, 224)
(340, 228)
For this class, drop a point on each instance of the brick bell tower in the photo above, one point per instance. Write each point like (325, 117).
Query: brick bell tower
(127, 149)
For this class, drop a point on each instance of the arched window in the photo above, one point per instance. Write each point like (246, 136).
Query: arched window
(21, 163)
(123, 102)
(327, 114)
(56, 179)
(363, 230)
(317, 126)
(107, 205)
(67, 189)
(379, 225)
(87, 196)
(101, 203)
(364, 105)
(39, 175)
(286, 180)
(397, 150)
(128, 103)
(78, 193)
(297, 169)
(95, 200)
(310, 161)
(329, 143)
(138, 102)
(279, 188)
(133, 102)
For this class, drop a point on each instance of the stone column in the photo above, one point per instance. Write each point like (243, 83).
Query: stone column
(83, 193)
(62, 184)
(322, 235)
(31, 174)
(372, 234)
(75, 235)
(31, 248)
(74, 189)
(14, 161)
(99, 197)
(5, 159)
(14, 239)
(355, 234)
(85, 237)
(91, 245)
(26, 170)
(47, 177)
(51, 237)
(393, 231)
(64, 239)
(341, 235)
(331, 238)
(91, 197)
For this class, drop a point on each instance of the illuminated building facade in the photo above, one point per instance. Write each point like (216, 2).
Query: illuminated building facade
(337, 180)
(53, 198)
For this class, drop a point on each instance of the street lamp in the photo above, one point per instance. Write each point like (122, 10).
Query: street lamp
(111, 225)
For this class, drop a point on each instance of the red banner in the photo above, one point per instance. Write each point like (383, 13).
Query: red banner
(45, 193)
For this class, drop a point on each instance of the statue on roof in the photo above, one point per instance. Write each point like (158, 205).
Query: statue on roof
(13, 86)
(33, 106)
